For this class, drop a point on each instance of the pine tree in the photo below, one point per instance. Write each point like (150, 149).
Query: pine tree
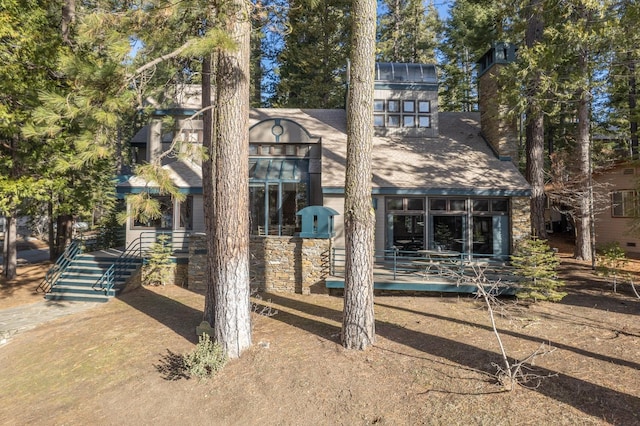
(358, 321)
(537, 264)
(408, 32)
(468, 34)
(313, 61)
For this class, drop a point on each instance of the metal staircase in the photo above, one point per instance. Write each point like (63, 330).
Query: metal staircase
(99, 276)
(78, 281)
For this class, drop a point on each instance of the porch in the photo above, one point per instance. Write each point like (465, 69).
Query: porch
(429, 271)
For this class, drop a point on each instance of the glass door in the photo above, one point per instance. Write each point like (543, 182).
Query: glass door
(406, 232)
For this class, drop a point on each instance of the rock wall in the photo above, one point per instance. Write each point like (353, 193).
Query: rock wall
(278, 264)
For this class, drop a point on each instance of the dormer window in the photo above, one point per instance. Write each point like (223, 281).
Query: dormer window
(393, 120)
(424, 121)
(397, 113)
(409, 106)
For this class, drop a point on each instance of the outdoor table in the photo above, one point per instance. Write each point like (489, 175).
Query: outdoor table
(442, 261)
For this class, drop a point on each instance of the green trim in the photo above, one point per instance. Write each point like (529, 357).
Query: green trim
(420, 87)
(138, 189)
(433, 287)
(174, 112)
(338, 190)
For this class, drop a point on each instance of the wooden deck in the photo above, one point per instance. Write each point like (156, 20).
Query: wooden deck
(430, 277)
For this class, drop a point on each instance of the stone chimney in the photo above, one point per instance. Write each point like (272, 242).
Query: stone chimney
(500, 131)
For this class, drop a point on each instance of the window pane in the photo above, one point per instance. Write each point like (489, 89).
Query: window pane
(415, 204)
(482, 235)
(393, 121)
(394, 204)
(424, 121)
(448, 233)
(438, 204)
(408, 232)
(408, 121)
(378, 120)
(393, 106)
(457, 205)
(424, 107)
(500, 205)
(378, 105)
(480, 205)
(409, 106)
(164, 221)
(186, 213)
(257, 207)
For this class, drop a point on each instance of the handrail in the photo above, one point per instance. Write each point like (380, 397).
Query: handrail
(133, 252)
(391, 262)
(107, 281)
(71, 251)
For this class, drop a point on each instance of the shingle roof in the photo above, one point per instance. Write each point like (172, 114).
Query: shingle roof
(459, 161)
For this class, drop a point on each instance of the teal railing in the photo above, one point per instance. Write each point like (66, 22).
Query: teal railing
(454, 266)
(135, 253)
(62, 263)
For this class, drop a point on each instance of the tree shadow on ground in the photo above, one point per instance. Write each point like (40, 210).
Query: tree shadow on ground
(180, 318)
(586, 289)
(590, 398)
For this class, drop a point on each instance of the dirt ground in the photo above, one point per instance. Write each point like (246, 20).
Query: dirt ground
(433, 362)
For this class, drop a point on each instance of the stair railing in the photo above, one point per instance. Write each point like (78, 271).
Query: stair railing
(135, 252)
(131, 254)
(71, 251)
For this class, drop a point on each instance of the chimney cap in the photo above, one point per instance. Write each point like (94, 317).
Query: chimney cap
(499, 53)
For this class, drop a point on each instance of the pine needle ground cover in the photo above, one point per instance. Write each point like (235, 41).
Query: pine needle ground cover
(432, 363)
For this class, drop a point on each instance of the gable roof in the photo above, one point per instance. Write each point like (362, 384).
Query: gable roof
(457, 162)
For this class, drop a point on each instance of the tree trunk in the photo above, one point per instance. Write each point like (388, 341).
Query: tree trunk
(230, 255)
(64, 232)
(633, 95)
(358, 323)
(10, 257)
(68, 18)
(208, 188)
(535, 127)
(583, 249)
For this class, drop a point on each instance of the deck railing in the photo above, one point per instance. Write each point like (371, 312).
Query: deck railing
(136, 252)
(393, 263)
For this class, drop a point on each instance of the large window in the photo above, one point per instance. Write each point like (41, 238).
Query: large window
(278, 189)
(474, 226)
(164, 221)
(405, 224)
(624, 203)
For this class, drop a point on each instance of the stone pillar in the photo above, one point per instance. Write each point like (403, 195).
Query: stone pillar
(520, 220)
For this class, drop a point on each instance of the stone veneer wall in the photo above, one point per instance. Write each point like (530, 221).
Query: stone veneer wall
(520, 219)
(278, 264)
(499, 130)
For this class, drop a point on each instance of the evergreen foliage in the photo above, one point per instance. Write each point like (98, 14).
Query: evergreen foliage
(312, 63)
(408, 32)
(206, 359)
(467, 35)
(537, 264)
(611, 260)
(158, 269)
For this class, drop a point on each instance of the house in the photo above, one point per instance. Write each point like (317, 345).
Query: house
(441, 180)
(615, 223)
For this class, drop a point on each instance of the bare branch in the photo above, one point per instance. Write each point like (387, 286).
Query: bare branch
(159, 59)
